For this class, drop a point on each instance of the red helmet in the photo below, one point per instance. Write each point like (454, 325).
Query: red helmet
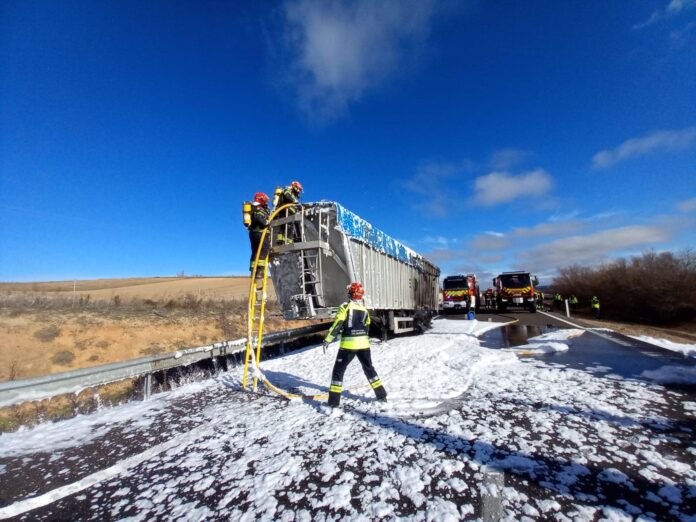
(297, 186)
(356, 291)
(261, 198)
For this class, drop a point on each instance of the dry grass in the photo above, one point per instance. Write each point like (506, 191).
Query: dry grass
(49, 331)
(154, 288)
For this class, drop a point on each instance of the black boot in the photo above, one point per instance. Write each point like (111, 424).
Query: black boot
(334, 399)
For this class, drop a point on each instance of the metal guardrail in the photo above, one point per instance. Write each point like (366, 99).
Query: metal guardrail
(45, 387)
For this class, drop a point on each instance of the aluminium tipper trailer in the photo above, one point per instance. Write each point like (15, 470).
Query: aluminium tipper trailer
(327, 247)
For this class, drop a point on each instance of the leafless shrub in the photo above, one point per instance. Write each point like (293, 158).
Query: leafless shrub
(63, 358)
(93, 358)
(658, 288)
(103, 344)
(47, 333)
(190, 301)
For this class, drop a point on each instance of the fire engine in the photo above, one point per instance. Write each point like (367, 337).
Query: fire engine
(460, 292)
(515, 289)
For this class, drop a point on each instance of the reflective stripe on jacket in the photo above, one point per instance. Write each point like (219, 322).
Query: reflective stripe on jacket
(287, 197)
(352, 324)
(259, 217)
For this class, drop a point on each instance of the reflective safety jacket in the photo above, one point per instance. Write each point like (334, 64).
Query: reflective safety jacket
(286, 197)
(352, 323)
(259, 217)
(595, 303)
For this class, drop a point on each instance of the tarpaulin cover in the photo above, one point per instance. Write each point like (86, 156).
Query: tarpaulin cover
(359, 229)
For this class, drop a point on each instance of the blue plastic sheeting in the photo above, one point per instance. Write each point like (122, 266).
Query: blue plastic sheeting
(357, 228)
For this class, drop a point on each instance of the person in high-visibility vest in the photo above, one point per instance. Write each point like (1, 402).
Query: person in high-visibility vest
(352, 323)
(259, 221)
(573, 302)
(557, 301)
(540, 300)
(290, 195)
(595, 306)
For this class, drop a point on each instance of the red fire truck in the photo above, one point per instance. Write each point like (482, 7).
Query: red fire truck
(515, 289)
(460, 292)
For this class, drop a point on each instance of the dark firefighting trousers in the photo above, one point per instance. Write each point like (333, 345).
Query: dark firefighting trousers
(255, 240)
(343, 359)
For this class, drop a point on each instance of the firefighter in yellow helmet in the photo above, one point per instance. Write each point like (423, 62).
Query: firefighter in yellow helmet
(352, 323)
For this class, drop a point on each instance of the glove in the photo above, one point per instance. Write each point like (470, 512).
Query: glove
(325, 346)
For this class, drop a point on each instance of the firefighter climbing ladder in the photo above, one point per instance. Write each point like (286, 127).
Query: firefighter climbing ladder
(256, 313)
(257, 308)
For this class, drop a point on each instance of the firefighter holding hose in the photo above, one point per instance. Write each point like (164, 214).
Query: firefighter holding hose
(352, 323)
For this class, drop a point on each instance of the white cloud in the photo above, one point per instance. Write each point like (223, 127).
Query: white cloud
(432, 183)
(490, 242)
(549, 229)
(681, 36)
(674, 8)
(342, 49)
(593, 248)
(500, 187)
(669, 140)
(438, 240)
(505, 159)
(688, 205)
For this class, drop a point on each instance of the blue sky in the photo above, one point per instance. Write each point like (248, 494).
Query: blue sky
(487, 136)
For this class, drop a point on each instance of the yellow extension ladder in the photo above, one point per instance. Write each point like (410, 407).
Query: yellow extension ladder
(255, 319)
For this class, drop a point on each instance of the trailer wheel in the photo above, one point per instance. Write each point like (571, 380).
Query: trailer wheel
(532, 308)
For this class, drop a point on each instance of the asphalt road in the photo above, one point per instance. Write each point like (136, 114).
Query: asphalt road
(601, 348)
(602, 353)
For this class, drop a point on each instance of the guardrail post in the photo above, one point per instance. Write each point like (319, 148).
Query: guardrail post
(567, 308)
(147, 387)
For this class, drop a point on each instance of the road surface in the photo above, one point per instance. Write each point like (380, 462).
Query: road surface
(475, 428)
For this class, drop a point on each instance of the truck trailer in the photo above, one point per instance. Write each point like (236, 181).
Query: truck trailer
(327, 247)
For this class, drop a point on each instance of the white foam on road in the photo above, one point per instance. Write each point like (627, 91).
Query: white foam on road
(672, 374)
(24, 506)
(265, 458)
(547, 343)
(687, 349)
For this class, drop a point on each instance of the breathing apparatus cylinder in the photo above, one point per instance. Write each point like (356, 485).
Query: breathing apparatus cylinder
(246, 213)
(276, 196)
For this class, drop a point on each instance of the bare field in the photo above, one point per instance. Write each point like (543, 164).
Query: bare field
(140, 288)
(53, 329)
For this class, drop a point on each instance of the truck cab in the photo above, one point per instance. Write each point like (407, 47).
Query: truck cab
(515, 289)
(460, 293)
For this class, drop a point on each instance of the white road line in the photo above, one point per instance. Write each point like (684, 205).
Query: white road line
(562, 320)
(30, 504)
(591, 330)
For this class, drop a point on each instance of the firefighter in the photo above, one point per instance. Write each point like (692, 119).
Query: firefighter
(352, 324)
(259, 222)
(573, 302)
(557, 301)
(289, 195)
(595, 306)
(540, 300)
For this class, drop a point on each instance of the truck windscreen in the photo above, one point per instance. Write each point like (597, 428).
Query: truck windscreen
(515, 280)
(455, 284)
